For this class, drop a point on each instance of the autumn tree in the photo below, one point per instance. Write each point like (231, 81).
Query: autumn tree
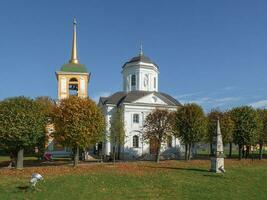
(247, 127)
(190, 125)
(22, 123)
(117, 132)
(79, 123)
(263, 133)
(47, 107)
(158, 126)
(227, 129)
(226, 124)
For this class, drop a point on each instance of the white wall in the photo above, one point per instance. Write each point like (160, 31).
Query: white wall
(107, 111)
(132, 129)
(143, 72)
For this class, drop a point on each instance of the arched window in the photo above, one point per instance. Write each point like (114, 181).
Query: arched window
(135, 141)
(73, 80)
(136, 118)
(133, 80)
(73, 86)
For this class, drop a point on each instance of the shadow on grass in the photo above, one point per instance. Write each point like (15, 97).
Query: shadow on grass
(179, 168)
(214, 175)
(205, 172)
(38, 163)
(24, 188)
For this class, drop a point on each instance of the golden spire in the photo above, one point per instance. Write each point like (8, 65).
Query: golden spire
(74, 58)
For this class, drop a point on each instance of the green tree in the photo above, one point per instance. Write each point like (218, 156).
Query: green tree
(191, 125)
(247, 128)
(226, 124)
(158, 126)
(22, 124)
(117, 132)
(79, 123)
(227, 129)
(263, 132)
(48, 105)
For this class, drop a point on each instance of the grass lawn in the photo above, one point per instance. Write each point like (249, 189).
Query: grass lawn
(140, 180)
(7, 158)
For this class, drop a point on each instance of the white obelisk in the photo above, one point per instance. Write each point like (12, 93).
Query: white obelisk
(217, 156)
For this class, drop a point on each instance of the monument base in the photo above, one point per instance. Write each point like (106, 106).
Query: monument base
(217, 165)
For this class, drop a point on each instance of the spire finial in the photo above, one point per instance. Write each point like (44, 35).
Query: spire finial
(141, 49)
(74, 58)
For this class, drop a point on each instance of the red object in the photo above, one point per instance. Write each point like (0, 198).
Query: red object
(48, 156)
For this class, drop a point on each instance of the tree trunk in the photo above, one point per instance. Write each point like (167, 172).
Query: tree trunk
(240, 152)
(158, 151)
(76, 157)
(247, 151)
(119, 151)
(211, 149)
(19, 163)
(186, 149)
(114, 154)
(189, 151)
(13, 159)
(230, 150)
(260, 152)
(193, 150)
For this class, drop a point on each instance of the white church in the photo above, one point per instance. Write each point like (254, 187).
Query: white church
(140, 96)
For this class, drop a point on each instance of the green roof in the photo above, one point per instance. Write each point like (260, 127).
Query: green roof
(72, 67)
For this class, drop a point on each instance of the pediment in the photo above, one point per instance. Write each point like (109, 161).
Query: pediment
(151, 99)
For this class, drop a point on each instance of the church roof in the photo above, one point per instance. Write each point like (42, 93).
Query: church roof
(73, 67)
(140, 58)
(121, 97)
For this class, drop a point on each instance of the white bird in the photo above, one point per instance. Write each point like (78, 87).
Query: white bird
(35, 178)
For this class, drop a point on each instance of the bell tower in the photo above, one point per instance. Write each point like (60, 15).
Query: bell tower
(73, 77)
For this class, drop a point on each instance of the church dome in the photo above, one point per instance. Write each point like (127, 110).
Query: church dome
(140, 73)
(140, 58)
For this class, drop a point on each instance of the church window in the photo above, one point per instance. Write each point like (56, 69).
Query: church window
(73, 86)
(135, 141)
(73, 80)
(133, 80)
(136, 118)
(155, 83)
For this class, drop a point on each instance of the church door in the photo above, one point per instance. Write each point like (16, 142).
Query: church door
(153, 146)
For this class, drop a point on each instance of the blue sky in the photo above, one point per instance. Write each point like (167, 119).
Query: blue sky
(209, 51)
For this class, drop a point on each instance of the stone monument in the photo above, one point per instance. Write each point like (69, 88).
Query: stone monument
(217, 156)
